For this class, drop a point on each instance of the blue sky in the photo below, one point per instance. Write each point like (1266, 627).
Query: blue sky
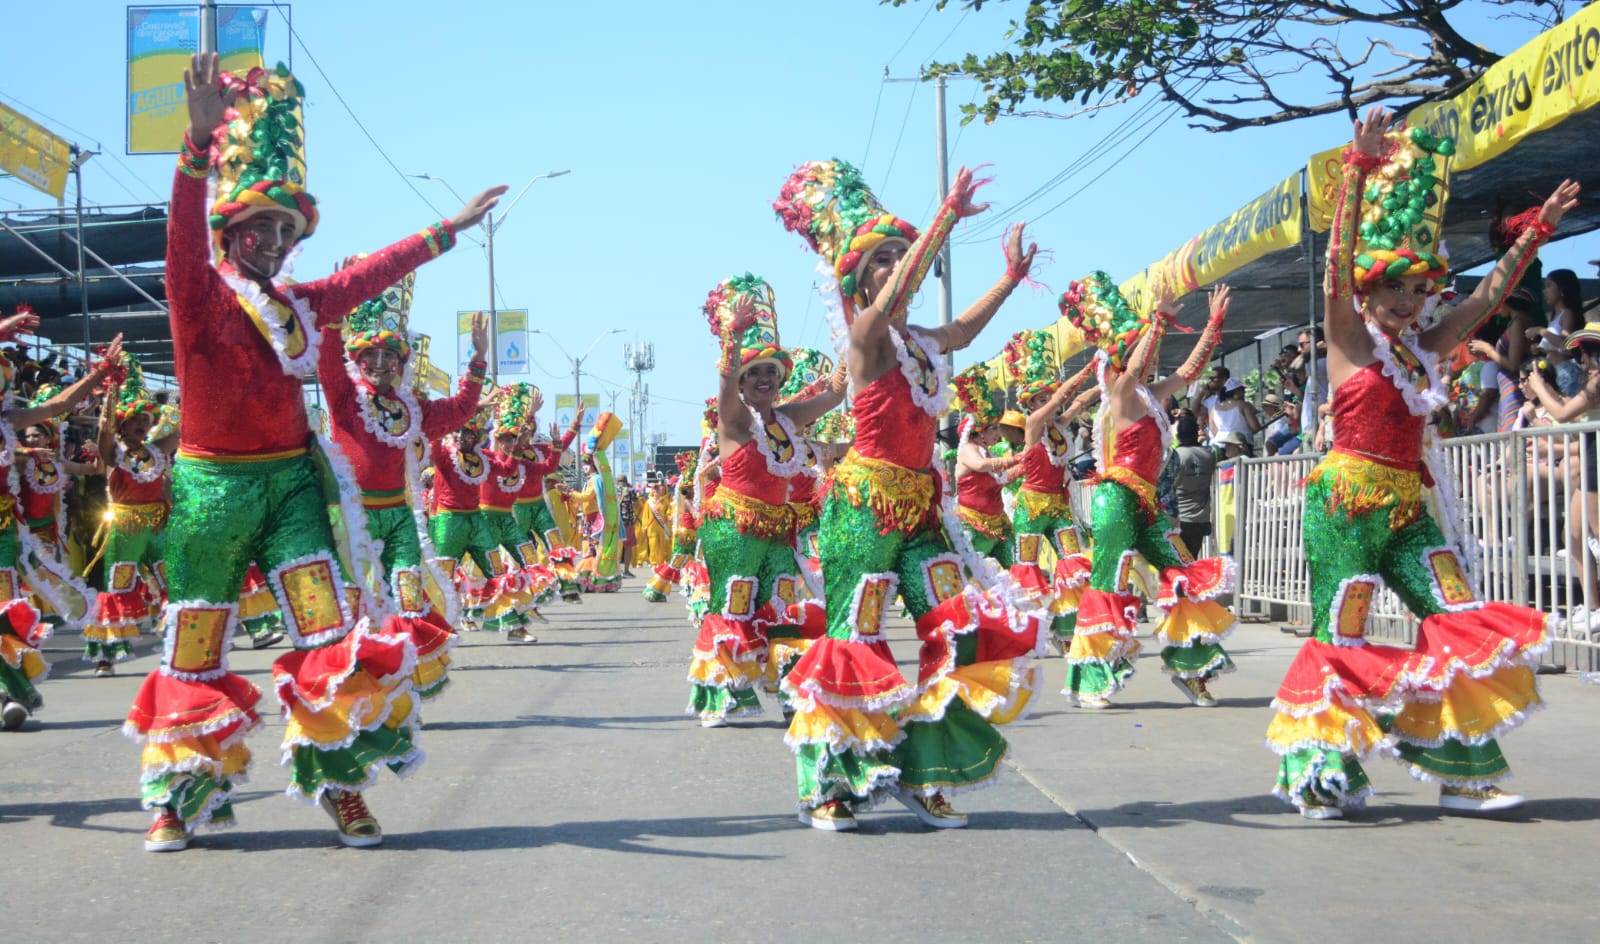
(679, 122)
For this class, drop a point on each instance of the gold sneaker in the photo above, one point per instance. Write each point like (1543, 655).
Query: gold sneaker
(934, 810)
(1478, 799)
(1195, 690)
(357, 826)
(832, 817)
(167, 833)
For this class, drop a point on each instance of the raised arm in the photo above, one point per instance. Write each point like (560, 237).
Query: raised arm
(961, 332)
(1463, 318)
(1039, 419)
(106, 438)
(190, 278)
(1347, 337)
(1195, 364)
(64, 401)
(871, 325)
(804, 412)
(971, 459)
(442, 416)
(1083, 402)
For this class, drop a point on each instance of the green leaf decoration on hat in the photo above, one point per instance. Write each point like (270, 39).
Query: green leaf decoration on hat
(811, 371)
(514, 408)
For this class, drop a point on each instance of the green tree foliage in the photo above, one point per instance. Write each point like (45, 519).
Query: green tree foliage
(1232, 64)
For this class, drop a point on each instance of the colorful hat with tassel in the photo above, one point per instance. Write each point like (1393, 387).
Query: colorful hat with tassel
(1095, 306)
(132, 397)
(756, 334)
(514, 408)
(260, 151)
(709, 419)
(812, 368)
(382, 322)
(977, 396)
(1402, 212)
(1031, 358)
(51, 426)
(835, 212)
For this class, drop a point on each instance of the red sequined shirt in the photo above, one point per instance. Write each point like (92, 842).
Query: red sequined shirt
(1371, 420)
(890, 426)
(746, 472)
(980, 491)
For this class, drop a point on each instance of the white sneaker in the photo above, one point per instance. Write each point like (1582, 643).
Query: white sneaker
(1484, 800)
(1579, 618)
(13, 715)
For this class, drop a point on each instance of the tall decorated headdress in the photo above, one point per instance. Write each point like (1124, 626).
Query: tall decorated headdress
(382, 322)
(835, 212)
(688, 461)
(478, 422)
(1031, 358)
(52, 426)
(260, 152)
(976, 396)
(1095, 306)
(753, 338)
(836, 427)
(1402, 212)
(513, 410)
(812, 368)
(709, 419)
(132, 397)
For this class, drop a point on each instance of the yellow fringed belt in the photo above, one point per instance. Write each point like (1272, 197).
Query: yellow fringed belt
(900, 497)
(1044, 504)
(136, 519)
(751, 515)
(992, 526)
(1142, 490)
(804, 515)
(1358, 486)
(8, 512)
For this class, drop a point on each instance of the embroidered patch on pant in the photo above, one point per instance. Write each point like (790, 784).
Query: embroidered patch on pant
(8, 584)
(813, 549)
(1351, 608)
(1028, 548)
(1125, 572)
(499, 562)
(529, 552)
(741, 597)
(1447, 574)
(785, 591)
(122, 575)
(408, 590)
(1067, 540)
(313, 597)
(872, 594)
(197, 646)
(944, 578)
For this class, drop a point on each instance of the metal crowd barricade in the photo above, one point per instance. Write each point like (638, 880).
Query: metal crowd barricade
(1528, 503)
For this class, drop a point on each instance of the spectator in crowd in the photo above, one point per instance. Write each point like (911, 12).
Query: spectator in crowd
(1283, 426)
(1479, 410)
(1205, 396)
(1583, 509)
(1234, 445)
(625, 523)
(1507, 354)
(1197, 467)
(1230, 412)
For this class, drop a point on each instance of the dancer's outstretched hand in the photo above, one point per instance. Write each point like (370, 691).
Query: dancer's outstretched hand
(22, 321)
(1560, 202)
(1018, 262)
(207, 100)
(960, 195)
(477, 208)
(1218, 299)
(1167, 304)
(480, 335)
(1368, 136)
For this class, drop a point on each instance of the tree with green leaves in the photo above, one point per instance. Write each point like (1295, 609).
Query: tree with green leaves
(1232, 64)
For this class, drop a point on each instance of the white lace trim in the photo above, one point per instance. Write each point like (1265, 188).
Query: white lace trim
(8, 454)
(1419, 402)
(1102, 363)
(515, 485)
(251, 294)
(401, 392)
(764, 445)
(30, 465)
(452, 449)
(158, 463)
(937, 402)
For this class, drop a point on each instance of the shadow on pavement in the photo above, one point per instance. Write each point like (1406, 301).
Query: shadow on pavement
(618, 722)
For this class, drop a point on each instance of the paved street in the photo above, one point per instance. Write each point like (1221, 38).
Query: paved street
(566, 797)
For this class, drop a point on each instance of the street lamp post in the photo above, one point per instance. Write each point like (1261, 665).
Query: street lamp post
(490, 224)
(577, 367)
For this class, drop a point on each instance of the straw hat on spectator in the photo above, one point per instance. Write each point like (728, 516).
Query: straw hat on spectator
(1271, 405)
(1232, 439)
(1589, 332)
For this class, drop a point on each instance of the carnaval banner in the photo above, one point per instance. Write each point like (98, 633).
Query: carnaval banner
(1535, 88)
(512, 336)
(566, 406)
(33, 155)
(161, 40)
(1264, 225)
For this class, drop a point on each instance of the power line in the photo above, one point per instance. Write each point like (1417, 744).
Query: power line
(914, 30)
(903, 122)
(873, 128)
(351, 112)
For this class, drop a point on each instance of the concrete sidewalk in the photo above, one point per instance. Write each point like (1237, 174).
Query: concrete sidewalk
(567, 796)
